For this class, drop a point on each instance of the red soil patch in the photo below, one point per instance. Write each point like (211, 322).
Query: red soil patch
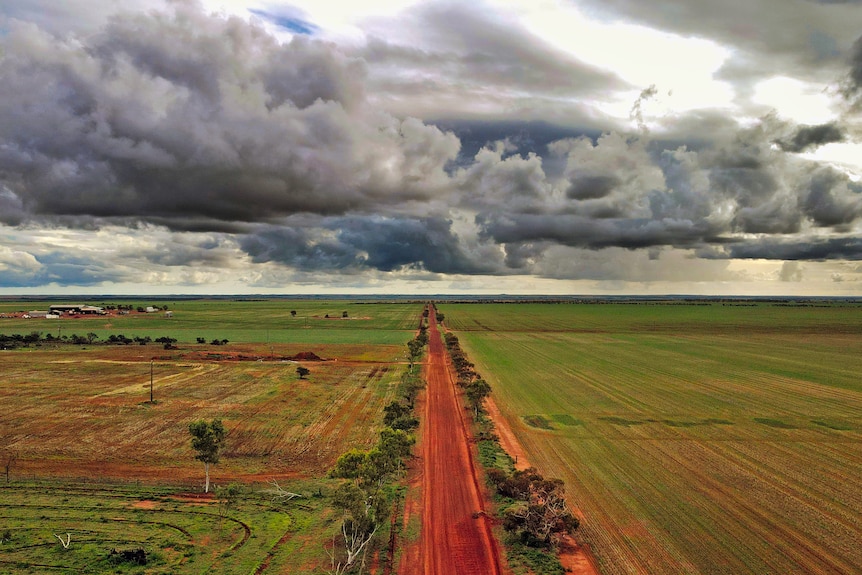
(507, 439)
(144, 504)
(456, 533)
(306, 356)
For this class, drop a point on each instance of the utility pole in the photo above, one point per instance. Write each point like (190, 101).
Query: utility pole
(151, 380)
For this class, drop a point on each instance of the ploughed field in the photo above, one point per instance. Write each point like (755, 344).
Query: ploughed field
(709, 439)
(94, 458)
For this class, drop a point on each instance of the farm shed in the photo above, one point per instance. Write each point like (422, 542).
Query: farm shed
(76, 309)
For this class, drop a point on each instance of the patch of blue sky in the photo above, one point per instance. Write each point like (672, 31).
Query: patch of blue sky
(295, 25)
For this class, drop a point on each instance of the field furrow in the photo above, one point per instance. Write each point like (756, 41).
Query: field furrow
(702, 441)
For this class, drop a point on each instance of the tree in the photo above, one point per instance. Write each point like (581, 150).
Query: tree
(541, 516)
(293, 313)
(363, 515)
(9, 458)
(302, 371)
(476, 391)
(414, 347)
(228, 497)
(399, 416)
(207, 440)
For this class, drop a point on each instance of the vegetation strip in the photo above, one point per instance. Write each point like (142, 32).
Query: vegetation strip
(366, 501)
(534, 510)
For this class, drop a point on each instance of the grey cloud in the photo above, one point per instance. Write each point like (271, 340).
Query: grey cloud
(504, 183)
(790, 272)
(62, 269)
(768, 35)
(589, 187)
(480, 51)
(353, 244)
(829, 199)
(808, 137)
(578, 231)
(194, 116)
(839, 248)
(621, 192)
(855, 73)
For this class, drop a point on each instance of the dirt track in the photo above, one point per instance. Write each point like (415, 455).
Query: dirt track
(456, 535)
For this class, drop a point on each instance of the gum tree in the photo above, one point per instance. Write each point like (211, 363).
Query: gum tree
(207, 440)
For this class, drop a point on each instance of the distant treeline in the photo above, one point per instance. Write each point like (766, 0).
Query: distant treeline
(17, 340)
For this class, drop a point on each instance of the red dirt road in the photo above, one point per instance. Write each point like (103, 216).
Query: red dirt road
(456, 536)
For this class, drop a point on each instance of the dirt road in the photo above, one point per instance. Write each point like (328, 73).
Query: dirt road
(456, 536)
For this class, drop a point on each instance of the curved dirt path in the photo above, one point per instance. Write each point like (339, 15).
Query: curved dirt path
(456, 537)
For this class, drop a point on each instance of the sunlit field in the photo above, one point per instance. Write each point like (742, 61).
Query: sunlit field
(694, 438)
(88, 453)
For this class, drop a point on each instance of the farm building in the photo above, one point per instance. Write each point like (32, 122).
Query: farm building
(76, 310)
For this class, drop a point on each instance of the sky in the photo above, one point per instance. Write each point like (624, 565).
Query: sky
(602, 147)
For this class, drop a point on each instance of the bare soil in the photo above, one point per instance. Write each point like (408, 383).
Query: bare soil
(456, 536)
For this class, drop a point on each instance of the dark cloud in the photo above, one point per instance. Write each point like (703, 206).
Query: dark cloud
(829, 199)
(355, 244)
(814, 249)
(855, 73)
(59, 268)
(185, 115)
(808, 137)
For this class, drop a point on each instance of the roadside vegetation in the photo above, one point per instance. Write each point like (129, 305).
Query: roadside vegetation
(368, 502)
(535, 515)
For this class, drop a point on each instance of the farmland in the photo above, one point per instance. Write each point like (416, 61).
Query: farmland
(97, 459)
(693, 438)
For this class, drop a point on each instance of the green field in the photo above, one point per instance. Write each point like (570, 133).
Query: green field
(242, 321)
(694, 438)
(178, 534)
(94, 458)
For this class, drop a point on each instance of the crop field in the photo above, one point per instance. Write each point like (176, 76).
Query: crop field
(693, 438)
(245, 321)
(92, 456)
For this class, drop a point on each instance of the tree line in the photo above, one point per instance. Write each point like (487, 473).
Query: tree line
(17, 340)
(534, 508)
(366, 498)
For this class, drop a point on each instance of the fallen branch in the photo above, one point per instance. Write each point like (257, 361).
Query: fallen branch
(279, 493)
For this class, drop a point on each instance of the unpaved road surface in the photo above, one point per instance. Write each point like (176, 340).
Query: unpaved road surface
(456, 536)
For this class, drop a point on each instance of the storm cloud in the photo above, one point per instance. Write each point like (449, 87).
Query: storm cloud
(182, 115)
(458, 142)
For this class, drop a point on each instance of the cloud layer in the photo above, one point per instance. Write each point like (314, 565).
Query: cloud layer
(236, 149)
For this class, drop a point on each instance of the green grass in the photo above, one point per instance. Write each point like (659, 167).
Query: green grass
(708, 435)
(179, 536)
